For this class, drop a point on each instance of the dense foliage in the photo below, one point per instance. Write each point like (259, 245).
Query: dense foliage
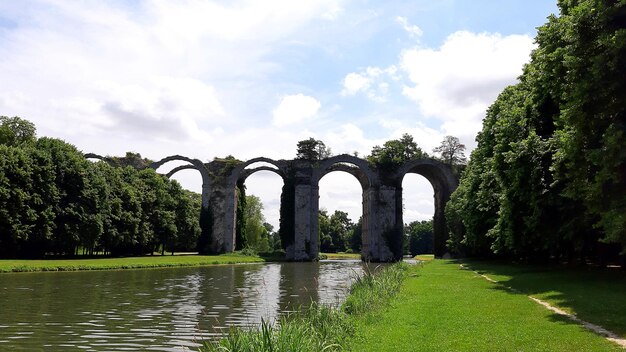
(54, 201)
(395, 152)
(548, 178)
(338, 233)
(419, 237)
(312, 149)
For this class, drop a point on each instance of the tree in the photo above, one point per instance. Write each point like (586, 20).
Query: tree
(273, 237)
(335, 231)
(187, 207)
(70, 170)
(255, 230)
(355, 243)
(15, 213)
(312, 149)
(586, 47)
(546, 180)
(420, 236)
(16, 131)
(451, 151)
(395, 152)
(326, 240)
(340, 226)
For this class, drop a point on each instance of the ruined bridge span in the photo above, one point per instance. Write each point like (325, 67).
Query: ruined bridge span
(382, 222)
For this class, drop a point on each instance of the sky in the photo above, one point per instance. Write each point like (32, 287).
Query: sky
(208, 79)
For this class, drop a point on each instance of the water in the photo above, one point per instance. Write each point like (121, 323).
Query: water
(157, 309)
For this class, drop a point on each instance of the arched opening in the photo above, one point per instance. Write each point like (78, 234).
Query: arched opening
(418, 208)
(353, 196)
(184, 173)
(340, 212)
(444, 182)
(258, 191)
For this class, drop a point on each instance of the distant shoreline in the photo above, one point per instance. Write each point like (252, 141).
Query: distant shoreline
(157, 261)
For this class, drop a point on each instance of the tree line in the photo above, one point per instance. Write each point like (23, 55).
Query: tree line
(55, 202)
(547, 181)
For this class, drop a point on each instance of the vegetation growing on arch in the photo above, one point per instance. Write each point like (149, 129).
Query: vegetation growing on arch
(395, 152)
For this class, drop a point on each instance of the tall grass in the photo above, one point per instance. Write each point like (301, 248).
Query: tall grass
(317, 327)
(370, 291)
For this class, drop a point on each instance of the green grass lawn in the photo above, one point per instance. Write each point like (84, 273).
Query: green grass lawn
(336, 256)
(21, 265)
(441, 307)
(424, 257)
(594, 295)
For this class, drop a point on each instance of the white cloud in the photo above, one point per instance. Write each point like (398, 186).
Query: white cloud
(372, 82)
(458, 81)
(414, 31)
(148, 70)
(354, 82)
(295, 108)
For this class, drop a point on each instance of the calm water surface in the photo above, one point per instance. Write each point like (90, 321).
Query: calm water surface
(157, 309)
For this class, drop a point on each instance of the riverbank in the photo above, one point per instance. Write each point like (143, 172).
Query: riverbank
(318, 327)
(157, 261)
(340, 256)
(443, 307)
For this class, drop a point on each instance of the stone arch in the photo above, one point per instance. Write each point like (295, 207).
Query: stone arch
(369, 181)
(179, 168)
(363, 173)
(193, 164)
(444, 181)
(237, 177)
(245, 173)
(240, 169)
(98, 157)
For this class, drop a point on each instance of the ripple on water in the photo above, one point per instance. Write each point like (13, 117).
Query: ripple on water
(158, 310)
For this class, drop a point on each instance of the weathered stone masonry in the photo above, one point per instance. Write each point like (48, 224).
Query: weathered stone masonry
(382, 200)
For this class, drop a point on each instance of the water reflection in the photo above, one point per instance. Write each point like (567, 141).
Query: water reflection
(157, 309)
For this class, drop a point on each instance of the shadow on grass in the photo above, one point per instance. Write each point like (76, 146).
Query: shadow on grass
(592, 294)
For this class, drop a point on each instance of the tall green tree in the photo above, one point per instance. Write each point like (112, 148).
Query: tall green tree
(186, 208)
(312, 149)
(15, 214)
(70, 179)
(547, 177)
(589, 40)
(395, 152)
(420, 237)
(256, 233)
(16, 131)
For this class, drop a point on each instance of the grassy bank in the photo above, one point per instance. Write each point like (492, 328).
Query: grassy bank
(318, 328)
(157, 261)
(592, 294)
(340, 256)
(441, 307)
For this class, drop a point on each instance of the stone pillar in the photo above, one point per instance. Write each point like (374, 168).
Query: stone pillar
(380, 217)
(304, 246)
(314, 236)
(206, 194)
(222, 203)
(440, 228)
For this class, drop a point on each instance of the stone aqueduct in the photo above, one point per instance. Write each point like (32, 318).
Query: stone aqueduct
(382, 220)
